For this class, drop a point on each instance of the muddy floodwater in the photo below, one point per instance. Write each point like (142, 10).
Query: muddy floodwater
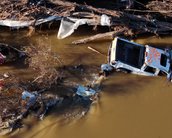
(130, 106)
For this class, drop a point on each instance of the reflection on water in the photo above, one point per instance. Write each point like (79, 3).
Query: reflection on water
(130, 106)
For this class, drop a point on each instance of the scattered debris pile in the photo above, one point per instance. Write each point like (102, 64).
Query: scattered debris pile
(13, 107)
(19, 14)
(35, 96)
(10, 97)
(123, 21)
(10, 93)
(24, 11)
(164, 7)
(11, 116)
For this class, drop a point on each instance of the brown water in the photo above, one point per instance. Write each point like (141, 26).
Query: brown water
(130, 106)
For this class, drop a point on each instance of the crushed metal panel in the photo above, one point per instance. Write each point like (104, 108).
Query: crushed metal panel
(48, 19)
(153, 57)
(22, 24)
(69, 25)
(85, 91)
(15, 24)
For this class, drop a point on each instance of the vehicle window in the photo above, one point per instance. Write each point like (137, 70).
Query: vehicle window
(150, 69)
(163, 60)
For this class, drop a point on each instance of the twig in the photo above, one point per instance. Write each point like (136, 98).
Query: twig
(93, 49)
(148, 11)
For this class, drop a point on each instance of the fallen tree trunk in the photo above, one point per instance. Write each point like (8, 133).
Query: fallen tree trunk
(107, 35)
(95, 37)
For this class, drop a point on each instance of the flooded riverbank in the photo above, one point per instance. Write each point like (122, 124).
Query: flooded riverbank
(130, 106)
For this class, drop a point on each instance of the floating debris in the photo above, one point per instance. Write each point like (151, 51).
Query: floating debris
(9, 53)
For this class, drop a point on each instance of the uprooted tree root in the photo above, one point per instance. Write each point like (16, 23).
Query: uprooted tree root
(46, 64)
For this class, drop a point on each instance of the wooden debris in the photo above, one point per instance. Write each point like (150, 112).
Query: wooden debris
(161, 6)
(139, 22)
(108, 35)
(31, 31)
(95, 37)
(93, 49)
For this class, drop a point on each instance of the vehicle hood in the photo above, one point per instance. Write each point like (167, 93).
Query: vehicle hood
(153, 58)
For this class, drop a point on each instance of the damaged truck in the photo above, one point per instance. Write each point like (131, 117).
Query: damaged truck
(139, 59)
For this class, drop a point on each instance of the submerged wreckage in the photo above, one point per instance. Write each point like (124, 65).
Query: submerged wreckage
(9, 53)
(38, 103)
(131, 57)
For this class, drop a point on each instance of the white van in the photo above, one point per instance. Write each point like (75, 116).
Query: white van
(131, 57)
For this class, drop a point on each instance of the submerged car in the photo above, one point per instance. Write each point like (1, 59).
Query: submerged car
(9, 53)
(139, 59)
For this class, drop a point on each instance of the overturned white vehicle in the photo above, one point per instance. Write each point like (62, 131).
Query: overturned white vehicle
(138, 59)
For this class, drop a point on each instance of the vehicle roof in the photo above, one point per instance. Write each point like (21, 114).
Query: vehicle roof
(130, 41)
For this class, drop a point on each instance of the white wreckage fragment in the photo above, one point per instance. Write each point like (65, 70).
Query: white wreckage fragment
(21, 24)
(69, 25)
(105, 20)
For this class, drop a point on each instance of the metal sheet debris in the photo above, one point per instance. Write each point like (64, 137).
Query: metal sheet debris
(21, 24)
(69, 25)
(85, 91)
